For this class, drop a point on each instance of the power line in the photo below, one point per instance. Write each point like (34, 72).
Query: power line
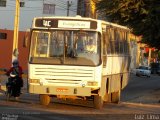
(23, 7)
(58, 3)
(65, 8)
(22, 10)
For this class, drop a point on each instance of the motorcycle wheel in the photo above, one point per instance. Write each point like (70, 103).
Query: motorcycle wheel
(8, 94)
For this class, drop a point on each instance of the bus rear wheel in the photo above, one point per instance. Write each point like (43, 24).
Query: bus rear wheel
(98, 102)
(44, 99)
(115, 97)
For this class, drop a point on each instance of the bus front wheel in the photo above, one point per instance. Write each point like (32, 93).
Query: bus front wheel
(44, 99)
(98, 102)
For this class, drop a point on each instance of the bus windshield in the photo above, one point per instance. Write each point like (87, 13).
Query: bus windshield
(65, 47)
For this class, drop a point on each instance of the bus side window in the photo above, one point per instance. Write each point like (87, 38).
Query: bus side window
(121, 47)
(109, 38)
(104, 37)
(117, 47)
(108, 48)
(112, 45)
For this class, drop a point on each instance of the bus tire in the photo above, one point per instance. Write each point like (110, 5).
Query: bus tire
(115, 97)
(44, 99)
(98, 102)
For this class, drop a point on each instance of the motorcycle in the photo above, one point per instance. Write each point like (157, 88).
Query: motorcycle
(13, 88)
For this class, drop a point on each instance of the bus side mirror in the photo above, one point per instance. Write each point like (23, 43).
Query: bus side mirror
(26, 38)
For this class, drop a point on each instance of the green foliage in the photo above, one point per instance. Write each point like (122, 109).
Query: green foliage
(159, 55)
(146, 54)
(142, 16)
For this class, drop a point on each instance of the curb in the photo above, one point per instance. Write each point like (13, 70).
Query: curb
(141, 104)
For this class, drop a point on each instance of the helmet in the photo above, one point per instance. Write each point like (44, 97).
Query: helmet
(15, 63)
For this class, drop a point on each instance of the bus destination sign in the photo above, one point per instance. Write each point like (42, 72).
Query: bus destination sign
(56, 23)
(73, 24)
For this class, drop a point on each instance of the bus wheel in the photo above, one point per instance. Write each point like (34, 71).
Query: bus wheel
(115, 97)
(44, 99)
(98, 102)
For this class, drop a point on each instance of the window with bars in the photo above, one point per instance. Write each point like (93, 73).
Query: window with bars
(48, 8)
(3, 3)
(22, 4)
(3, 36)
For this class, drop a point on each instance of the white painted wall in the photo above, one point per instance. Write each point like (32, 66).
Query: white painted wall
(33, 8)
(134, 55)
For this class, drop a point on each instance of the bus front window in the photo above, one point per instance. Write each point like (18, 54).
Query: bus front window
(40, 40)
(65, 47)
(88, 46)
(57, 44)
(87, 43)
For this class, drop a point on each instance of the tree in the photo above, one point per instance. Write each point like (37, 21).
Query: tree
(141, 16)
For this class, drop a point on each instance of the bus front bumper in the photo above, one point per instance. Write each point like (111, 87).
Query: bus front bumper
(60, 90)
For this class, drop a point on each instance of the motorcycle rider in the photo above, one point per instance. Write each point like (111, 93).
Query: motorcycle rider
(16, 70)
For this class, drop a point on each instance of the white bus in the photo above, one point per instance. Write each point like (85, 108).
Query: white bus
(80, 58)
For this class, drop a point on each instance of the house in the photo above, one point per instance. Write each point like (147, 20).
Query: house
(28, 10)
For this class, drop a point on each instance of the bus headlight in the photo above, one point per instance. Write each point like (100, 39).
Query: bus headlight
(34, 80)
(92, 83)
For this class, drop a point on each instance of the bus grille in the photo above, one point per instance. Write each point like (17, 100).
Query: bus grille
(64, 75)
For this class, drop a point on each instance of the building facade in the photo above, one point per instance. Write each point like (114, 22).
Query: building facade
(134, 49)
(28, 10)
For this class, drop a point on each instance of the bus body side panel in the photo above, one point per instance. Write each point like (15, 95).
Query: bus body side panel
(116, 72)
(125, 80)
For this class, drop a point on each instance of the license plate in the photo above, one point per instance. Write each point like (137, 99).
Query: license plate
(62, 89)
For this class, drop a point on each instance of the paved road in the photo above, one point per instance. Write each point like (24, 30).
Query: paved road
(55, 111)
(142, 90)
(139, 100)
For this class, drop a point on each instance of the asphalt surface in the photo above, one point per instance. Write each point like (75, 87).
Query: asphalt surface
(142, 90)
(139, 100)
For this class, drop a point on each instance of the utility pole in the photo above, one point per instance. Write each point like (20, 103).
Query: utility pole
(149, 57)
(80, 7)
(68, 6)
(16, 30)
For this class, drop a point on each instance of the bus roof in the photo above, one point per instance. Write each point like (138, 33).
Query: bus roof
(114, 24)
(77, 17)
(81, 18)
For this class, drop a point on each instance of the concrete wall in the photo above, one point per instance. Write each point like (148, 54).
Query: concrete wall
(6, 50)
